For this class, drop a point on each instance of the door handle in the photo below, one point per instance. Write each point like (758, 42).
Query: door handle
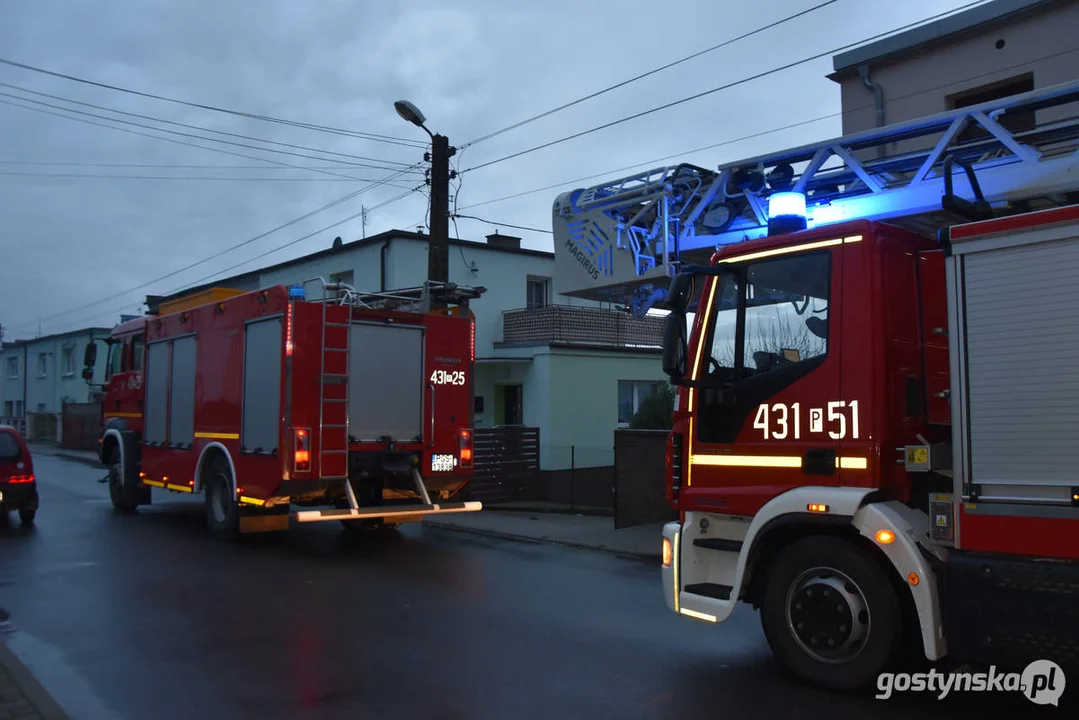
(819, 461)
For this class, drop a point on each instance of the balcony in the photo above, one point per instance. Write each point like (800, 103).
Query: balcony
(581, 326)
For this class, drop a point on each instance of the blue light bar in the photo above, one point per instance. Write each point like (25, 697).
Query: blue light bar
(296, 292)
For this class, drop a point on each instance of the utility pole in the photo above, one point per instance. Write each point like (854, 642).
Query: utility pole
(438, 254)
(438, 243)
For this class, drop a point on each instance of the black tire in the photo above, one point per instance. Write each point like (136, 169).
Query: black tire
(830, 613)
(222, 510)
(121, 497)
(26, 515)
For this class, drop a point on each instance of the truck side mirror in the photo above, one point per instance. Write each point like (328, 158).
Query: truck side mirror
(675, 347)
(89, 356)
(88, 373)
(680, 292)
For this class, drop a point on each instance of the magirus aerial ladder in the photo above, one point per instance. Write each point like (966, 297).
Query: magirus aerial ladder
(621, 241)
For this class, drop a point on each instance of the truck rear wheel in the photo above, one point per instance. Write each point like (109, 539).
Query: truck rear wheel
(222, 510)
(830, 614)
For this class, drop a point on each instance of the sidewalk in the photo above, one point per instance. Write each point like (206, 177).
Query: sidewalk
(21, 696)
(643, 542)
(80, 456)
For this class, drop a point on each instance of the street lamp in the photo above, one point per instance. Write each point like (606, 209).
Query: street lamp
(438, 254)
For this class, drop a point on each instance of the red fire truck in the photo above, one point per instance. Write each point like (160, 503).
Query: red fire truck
(876, 387)
(357, 406)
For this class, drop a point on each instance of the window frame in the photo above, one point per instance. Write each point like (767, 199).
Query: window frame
(739, 271)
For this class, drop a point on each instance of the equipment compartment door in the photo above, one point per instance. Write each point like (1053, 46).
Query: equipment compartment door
(386, 382)
(769, 415)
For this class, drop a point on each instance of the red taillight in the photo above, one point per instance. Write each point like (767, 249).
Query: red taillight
(465, 451)
(301, 450)
(20, 479)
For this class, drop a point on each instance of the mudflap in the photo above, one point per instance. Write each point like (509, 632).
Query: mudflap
(260, 520)
(132, 482)
(1012, 610)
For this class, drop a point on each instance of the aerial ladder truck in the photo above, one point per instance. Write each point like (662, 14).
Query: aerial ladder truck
(873, 341)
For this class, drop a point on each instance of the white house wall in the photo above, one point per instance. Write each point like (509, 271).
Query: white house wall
(583, 402)
(49, 392)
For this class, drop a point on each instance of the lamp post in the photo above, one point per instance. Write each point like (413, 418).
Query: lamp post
(438, 253)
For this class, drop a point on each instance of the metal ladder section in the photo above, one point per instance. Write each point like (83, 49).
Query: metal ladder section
(333, 387)
(652, 218)
(335, 359)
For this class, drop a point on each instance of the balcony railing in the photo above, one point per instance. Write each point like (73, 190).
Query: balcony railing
(580, 325)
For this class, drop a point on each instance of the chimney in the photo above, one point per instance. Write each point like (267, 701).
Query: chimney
(506, 242)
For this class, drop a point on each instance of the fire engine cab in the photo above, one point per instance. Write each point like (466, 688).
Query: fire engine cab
(876, 413)
(355, 406)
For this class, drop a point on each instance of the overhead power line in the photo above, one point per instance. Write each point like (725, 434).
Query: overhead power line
(171, 140)
(227, 250)
(763, 133)
(705, 93)
(308, 236)
(120, 176)
(346, 164)
(70, 163)
(216, 274)
(207, 129)
(644, 75)
(255, 116)
(500, 224)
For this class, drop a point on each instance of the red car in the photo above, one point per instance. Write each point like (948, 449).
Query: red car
(18, 488)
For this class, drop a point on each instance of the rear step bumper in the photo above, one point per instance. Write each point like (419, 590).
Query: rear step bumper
(387, 511)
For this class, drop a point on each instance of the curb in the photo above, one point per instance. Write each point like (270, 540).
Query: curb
(642, 557)
(31, 689)
(84, 461)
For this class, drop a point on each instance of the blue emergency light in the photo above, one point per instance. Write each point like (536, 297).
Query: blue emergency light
(786, 212)
(296, 292)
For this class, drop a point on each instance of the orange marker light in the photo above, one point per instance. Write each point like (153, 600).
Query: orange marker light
(885, 537)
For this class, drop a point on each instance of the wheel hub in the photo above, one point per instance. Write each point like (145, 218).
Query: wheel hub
(827, 614)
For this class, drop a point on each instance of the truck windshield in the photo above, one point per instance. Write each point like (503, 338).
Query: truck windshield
(785, 320)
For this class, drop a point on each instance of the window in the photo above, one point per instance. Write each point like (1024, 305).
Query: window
(138, 352)
(631, 393)
(9, 409)
(13, 368)
(537, 292)
(68, 359)
(769, 328)
(10, 451)
(1015, 122)
(42, 364)
(116, 358)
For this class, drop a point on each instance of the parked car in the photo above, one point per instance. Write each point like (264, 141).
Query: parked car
(18, 487)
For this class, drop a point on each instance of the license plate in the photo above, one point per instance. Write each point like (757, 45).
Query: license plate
(442, 462)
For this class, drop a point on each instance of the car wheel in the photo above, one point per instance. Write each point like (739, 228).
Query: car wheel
(26, 515)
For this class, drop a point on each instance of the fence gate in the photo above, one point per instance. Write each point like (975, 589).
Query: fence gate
(506, 464)
(81, 426)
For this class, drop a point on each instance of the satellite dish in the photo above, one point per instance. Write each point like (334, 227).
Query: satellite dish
(337, 242)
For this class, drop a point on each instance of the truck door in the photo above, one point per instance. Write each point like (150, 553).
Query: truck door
(769, 416)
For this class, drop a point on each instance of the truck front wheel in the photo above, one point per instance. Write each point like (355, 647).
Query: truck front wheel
(830, 613)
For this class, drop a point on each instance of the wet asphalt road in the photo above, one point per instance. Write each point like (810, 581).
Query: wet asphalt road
(145, 617)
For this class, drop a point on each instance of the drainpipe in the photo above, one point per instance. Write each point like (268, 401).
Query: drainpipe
(878, 99)
(382, 265)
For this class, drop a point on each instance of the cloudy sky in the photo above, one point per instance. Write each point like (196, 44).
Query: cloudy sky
(122, 209)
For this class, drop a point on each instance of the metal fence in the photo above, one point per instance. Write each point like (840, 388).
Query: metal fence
(583, 325)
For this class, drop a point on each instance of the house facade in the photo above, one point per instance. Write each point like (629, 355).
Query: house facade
(42, 374)
(991, 51)
(574, 369)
